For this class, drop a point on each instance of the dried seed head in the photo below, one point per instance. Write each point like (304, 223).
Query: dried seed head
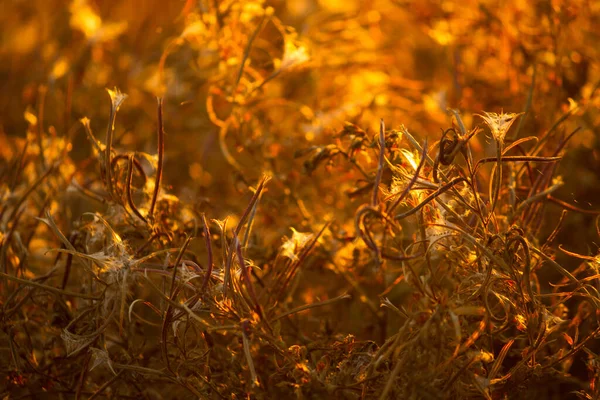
(75, 343)
(292, 246)
(294, 53)
(117, 98)
(499, 124)
(100, 357)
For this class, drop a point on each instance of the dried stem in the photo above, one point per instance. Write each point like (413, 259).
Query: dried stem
(161, 151)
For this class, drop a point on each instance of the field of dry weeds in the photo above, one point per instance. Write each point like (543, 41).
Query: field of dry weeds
(312, 199)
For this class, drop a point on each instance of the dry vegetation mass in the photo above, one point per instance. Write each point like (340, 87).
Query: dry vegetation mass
(313, 199)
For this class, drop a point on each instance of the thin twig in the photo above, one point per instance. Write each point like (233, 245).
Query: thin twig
(380, 165)
(161, 151)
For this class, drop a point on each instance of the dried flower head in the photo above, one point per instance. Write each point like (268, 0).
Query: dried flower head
(292, 246)
(75, 343)
(117, 98)
(499, 124)
(293, 54)
(100, 357)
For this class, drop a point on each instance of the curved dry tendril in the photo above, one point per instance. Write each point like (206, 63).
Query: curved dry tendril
(361, 230)
(520, 241)
(448, 149)
(364, 233)
(136, 164)
(515, 159)
(129, 197)
(225, 150)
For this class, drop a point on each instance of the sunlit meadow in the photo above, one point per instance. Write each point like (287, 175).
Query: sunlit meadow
(227, 199)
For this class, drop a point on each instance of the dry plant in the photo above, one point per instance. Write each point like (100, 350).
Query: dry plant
(306, 250)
